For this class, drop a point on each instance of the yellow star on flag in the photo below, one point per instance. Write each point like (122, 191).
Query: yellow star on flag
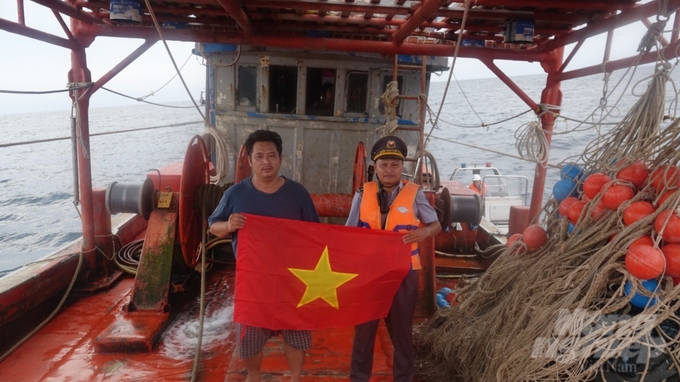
(321, 282)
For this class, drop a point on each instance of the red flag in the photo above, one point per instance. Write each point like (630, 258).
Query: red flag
(300, 275)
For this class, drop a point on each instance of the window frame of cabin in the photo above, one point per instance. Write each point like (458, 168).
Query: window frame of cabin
(312, 89)
(348, 92)
(290, 85)
(255, 105)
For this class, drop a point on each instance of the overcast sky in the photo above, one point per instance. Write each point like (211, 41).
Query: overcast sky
(29, 65)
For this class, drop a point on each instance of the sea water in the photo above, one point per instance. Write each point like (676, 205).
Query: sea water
(37, 214)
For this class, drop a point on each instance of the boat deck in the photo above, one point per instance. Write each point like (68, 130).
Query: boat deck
(64, 350)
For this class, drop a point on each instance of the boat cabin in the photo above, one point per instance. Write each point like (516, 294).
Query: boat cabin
(323, 104)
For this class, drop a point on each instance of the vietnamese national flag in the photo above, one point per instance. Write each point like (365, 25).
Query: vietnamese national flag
(299, 275)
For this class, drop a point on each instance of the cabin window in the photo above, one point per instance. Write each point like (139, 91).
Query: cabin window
(357, 92)
(400, 84)
(320, 98)
(282, 89)
(247, 86)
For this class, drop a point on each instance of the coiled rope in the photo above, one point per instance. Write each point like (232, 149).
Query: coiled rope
(127, 258)
(388, 99)
(221, 153)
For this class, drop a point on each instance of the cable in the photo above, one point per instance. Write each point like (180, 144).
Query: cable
(142, 100)
(222, 154)
(43, 91)
(96, 134)
(167, 49)
(453, 65)
(170, 80)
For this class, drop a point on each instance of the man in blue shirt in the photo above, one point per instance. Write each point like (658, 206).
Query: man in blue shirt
(265, 193)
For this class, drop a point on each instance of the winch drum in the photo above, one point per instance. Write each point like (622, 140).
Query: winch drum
(466, 209)
(130, 198)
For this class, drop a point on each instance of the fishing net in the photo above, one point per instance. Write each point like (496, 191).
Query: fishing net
(561, 312)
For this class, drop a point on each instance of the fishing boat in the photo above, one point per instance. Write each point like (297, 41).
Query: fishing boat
(75, 315)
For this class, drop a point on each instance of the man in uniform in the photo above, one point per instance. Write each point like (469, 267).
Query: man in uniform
(392, 204)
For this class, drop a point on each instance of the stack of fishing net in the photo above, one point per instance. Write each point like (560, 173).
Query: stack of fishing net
(563, 311)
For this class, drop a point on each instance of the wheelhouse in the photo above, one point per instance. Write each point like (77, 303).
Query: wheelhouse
(252, 88)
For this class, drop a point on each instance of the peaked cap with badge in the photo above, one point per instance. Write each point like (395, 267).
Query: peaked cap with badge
(389, 147)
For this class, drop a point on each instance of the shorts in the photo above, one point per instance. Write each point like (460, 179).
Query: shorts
(251, 340)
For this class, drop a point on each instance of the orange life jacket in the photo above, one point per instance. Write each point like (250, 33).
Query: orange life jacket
(400, 218)
(477, 190)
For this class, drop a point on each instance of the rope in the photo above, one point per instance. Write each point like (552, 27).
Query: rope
(51, 316)
(388, 98)
(221, 154)
(207, 199)
(97, 134)
(167, 49)
(147, 102)
(43, 91)
(201, 310)
(493, 151)
(170, 80)
(127, 259)
(453, 65)
(541, 308)
(531, 142)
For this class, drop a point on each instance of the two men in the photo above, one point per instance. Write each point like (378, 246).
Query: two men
(388, 204)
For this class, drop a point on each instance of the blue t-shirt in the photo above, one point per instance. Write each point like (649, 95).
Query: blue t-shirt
(291, 201)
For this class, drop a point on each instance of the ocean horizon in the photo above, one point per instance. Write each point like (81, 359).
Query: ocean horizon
(37, 214)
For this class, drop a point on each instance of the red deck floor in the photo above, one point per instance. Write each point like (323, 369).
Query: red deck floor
(64, 349)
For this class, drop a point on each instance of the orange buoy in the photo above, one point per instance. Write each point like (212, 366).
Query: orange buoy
(566, 203)
(665, 177)
(520, 248)
(534, 237)
(598, 211)
(574, 211)
(665, 196)
(643, 240)
(593, 184)
(636, 173)
(672, 254)
(645, 262)
(670, 233)
(616, 194)
(636, 211)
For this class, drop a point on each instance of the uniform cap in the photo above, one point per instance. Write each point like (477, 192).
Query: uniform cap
(389, 147)
(476, 177)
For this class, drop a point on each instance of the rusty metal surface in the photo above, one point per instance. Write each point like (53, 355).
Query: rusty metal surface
(332, 205)
(194, 174)
(150, 292)
(345, 24)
